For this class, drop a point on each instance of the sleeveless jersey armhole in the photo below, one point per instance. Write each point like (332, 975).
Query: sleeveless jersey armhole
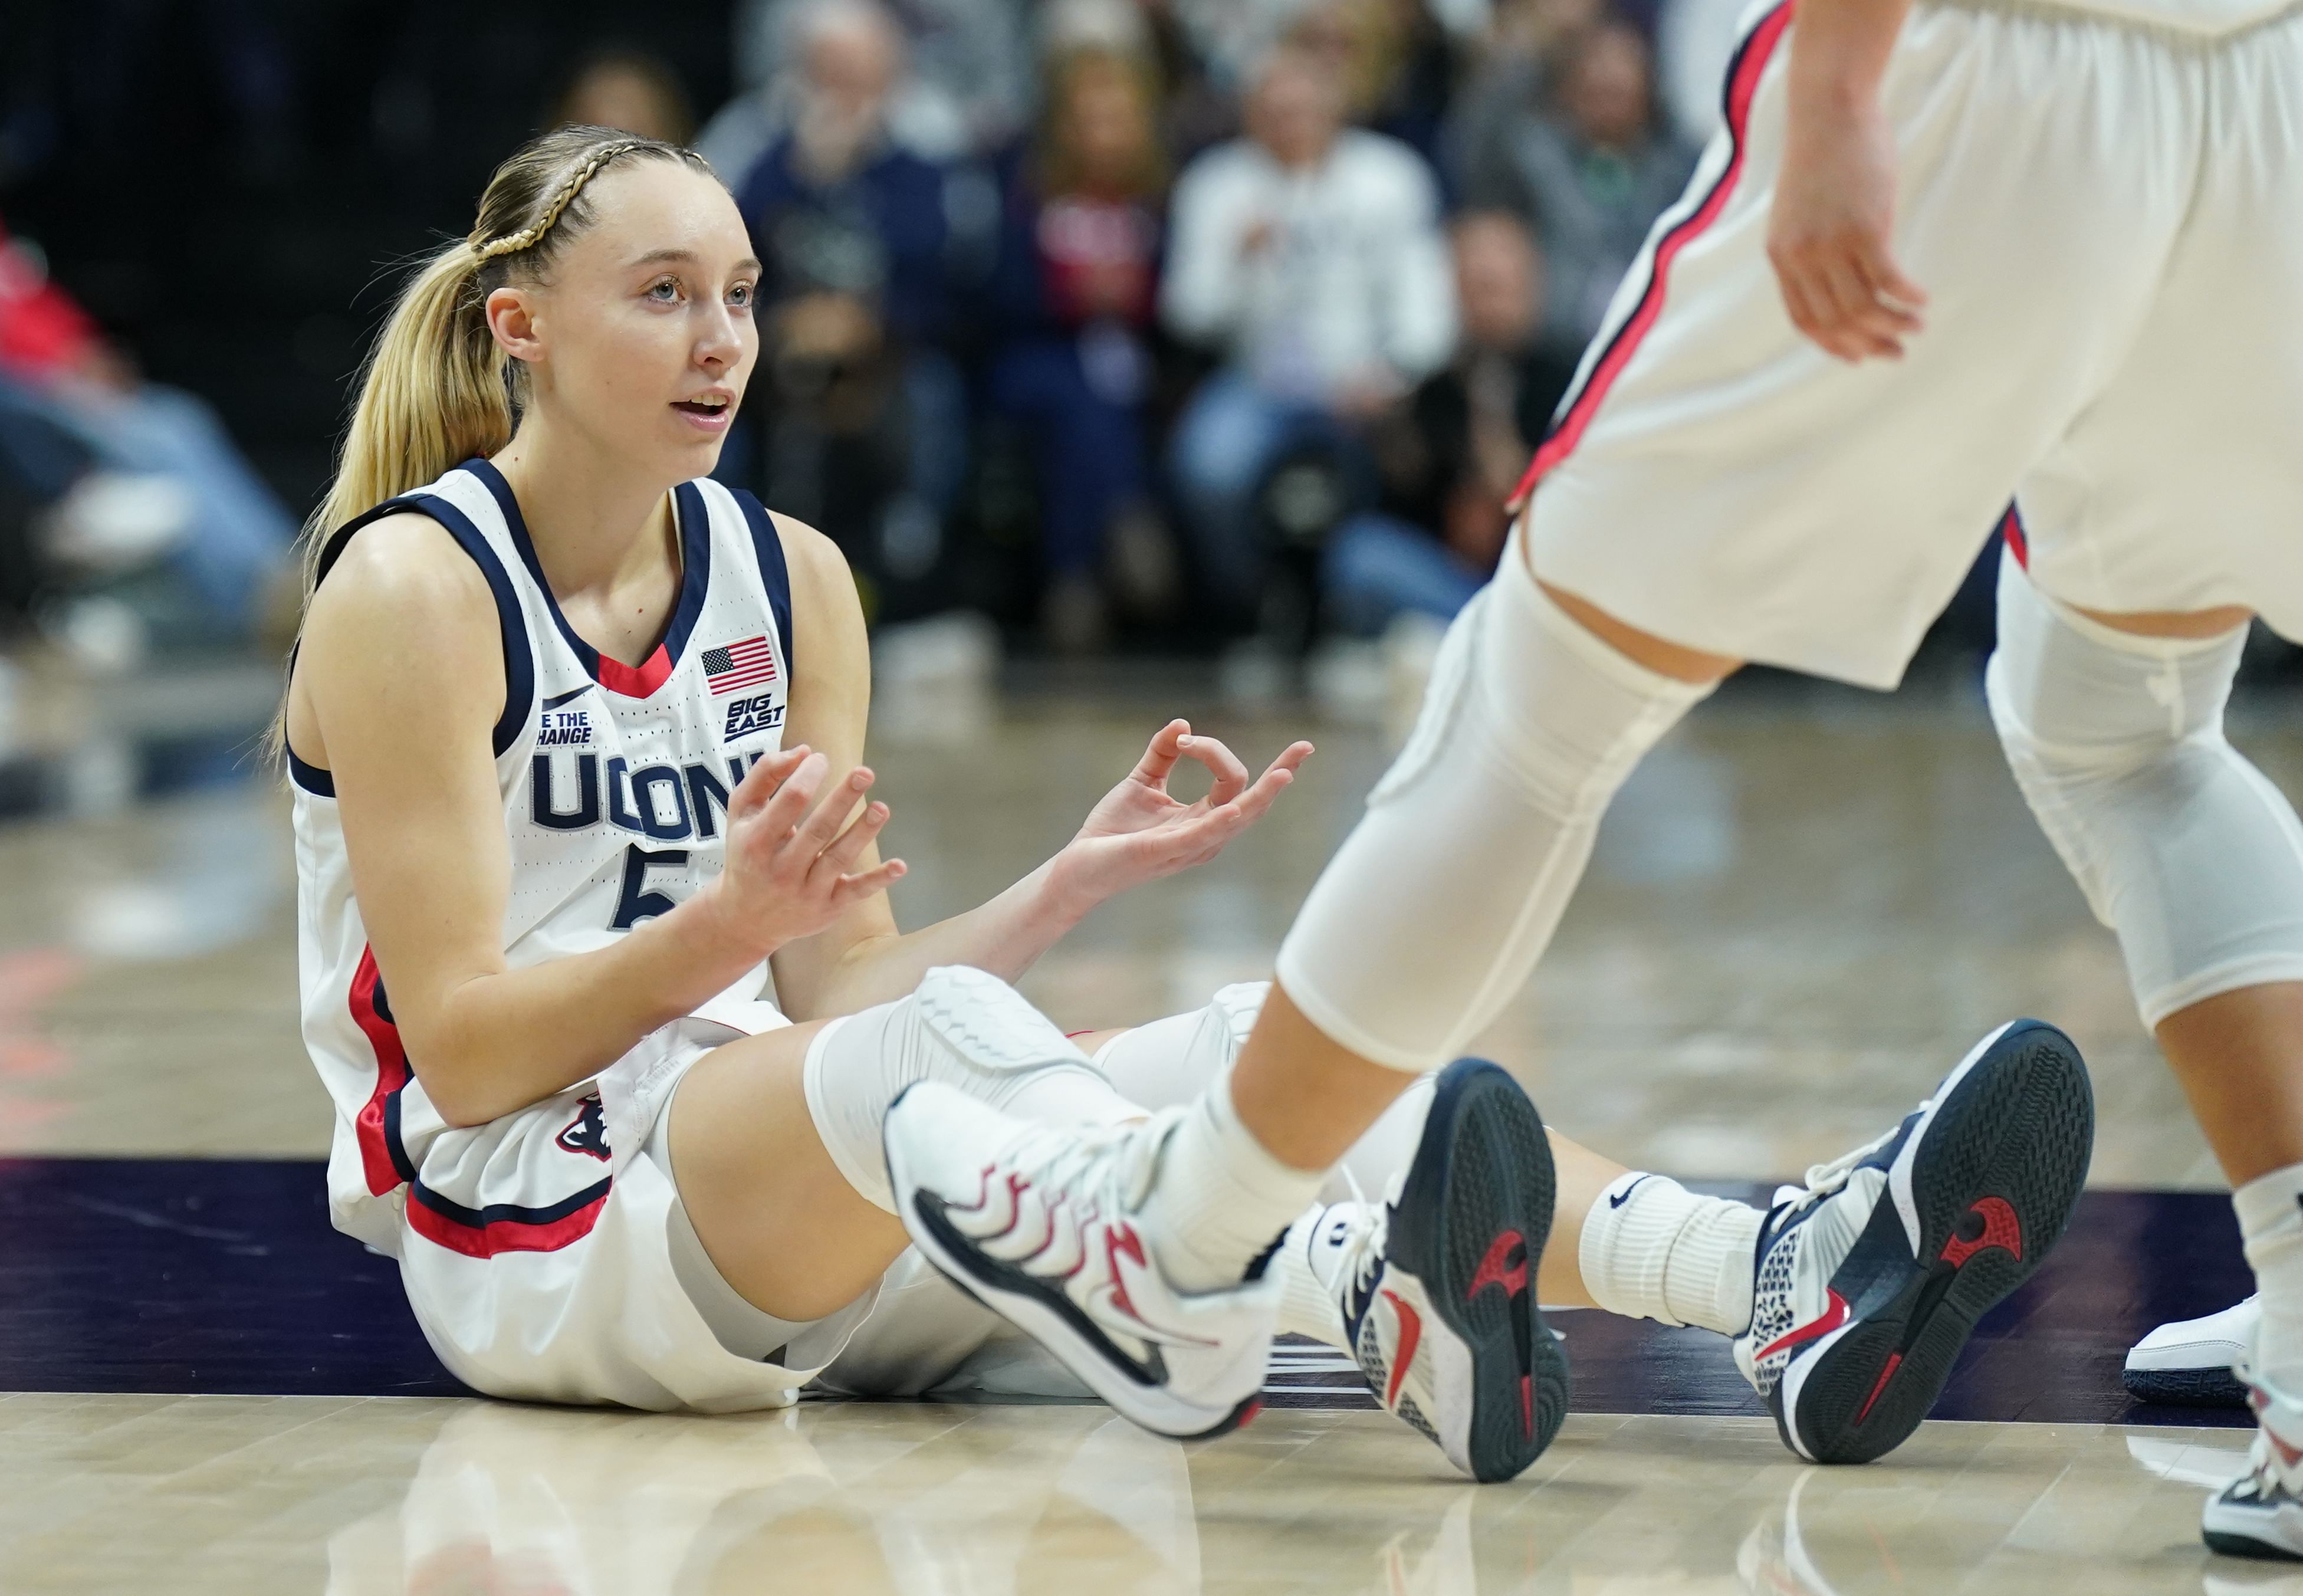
(520, 663)
(775, 575)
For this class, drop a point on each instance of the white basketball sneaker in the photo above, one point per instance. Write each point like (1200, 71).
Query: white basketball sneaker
(1870, 1278)
(1038, 1223)
(2260, 1515)
(1436, 1287)
(2190, 1362)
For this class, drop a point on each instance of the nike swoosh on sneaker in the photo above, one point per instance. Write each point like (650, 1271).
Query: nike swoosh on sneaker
(1623, 1197)
(1110, 1299)
(1411, 1332)
(1834, 1316)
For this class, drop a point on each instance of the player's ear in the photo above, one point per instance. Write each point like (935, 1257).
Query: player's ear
(512, 318)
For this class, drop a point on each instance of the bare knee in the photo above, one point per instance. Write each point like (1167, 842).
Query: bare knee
(1641, 648)
(2174, 624)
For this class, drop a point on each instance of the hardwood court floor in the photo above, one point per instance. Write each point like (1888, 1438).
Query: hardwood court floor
(1797, 919)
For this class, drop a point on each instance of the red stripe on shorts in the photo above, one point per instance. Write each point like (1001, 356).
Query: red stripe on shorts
(484, 1234)
(1759, 48)
(2018, 541)
(378, 1162)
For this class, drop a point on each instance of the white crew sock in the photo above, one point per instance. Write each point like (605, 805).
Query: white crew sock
(1652, 1249)
(2270, 1227)
(1221, 1199)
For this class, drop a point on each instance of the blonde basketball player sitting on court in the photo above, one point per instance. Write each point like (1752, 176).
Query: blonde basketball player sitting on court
(574, 735)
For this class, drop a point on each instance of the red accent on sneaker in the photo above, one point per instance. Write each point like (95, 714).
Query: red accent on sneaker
(2259, 1402)
(1894, 1358)
(1527, 1404)
(2001, 1228)
(1247, 1415)
(1492, 1271)
(1834, 1316)
(1120, 1239)
(1411, 1333)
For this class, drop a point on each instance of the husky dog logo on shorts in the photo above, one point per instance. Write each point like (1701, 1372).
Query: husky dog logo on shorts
(587, 1133)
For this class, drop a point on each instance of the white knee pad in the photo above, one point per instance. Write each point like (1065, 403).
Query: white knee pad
(2180, 845)
(1165, 1062)
(960, 1026)
(1433, 914)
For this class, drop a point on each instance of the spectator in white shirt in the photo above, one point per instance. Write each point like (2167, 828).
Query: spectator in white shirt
(1308, 258)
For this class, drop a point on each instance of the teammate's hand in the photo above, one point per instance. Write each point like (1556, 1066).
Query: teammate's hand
(1830, 234)
(792, 851)
(1139, 832)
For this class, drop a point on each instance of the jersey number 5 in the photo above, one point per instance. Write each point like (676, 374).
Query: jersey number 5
(635, 902)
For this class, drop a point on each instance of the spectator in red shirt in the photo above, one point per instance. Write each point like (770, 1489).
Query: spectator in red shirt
(75, 418)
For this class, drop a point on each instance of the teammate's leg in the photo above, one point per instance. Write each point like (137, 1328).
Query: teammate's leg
(2114, 725)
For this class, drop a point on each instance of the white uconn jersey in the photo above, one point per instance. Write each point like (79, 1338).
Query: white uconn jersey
(615, 782)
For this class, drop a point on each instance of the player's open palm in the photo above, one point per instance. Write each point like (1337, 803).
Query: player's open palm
(1142, 831)
(1830, 234)
(796, 849)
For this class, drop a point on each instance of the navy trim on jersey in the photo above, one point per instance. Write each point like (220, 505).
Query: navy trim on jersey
(694, 527)
(311, 778)
(519, 663)
(695, 567)
(775, 575)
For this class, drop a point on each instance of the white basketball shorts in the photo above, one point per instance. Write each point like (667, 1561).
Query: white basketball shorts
(547, 1257)
(2107, 218)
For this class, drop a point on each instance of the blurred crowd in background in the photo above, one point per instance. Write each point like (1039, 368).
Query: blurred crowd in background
(1184, 325)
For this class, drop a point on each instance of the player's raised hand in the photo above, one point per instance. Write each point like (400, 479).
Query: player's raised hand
(1140, 831)
(1830, 232)
(793, 849)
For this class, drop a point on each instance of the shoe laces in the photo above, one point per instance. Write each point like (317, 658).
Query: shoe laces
(1822, 1180)
(1360, 1255)
(1108, 1167)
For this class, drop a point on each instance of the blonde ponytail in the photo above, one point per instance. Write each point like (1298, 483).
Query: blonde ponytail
(432, 393)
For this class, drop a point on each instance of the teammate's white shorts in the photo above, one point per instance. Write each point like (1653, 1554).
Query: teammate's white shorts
(547, 1257)
(2107, 218)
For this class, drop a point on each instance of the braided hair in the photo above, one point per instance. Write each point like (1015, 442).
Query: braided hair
(436, 389)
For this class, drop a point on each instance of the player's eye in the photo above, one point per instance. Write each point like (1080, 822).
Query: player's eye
(740, 296)
(665, 291)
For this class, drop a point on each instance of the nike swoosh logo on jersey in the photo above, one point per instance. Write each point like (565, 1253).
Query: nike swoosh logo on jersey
(557, 700)
(1623, 1197)
(1834, 1316)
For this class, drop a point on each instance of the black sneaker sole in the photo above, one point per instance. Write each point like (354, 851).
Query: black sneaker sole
(1470, 1223)
(2247, 1546)
(2185, 1387)
(2008, 1144)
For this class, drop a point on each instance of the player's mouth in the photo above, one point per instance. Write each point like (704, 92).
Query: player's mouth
(709, 411)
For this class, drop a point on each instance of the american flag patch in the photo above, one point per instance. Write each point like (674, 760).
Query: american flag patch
(733, 666)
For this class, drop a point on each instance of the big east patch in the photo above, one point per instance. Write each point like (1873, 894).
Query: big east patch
(761, 714)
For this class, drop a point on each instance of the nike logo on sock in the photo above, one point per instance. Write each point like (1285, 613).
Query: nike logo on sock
(1621, 1197)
